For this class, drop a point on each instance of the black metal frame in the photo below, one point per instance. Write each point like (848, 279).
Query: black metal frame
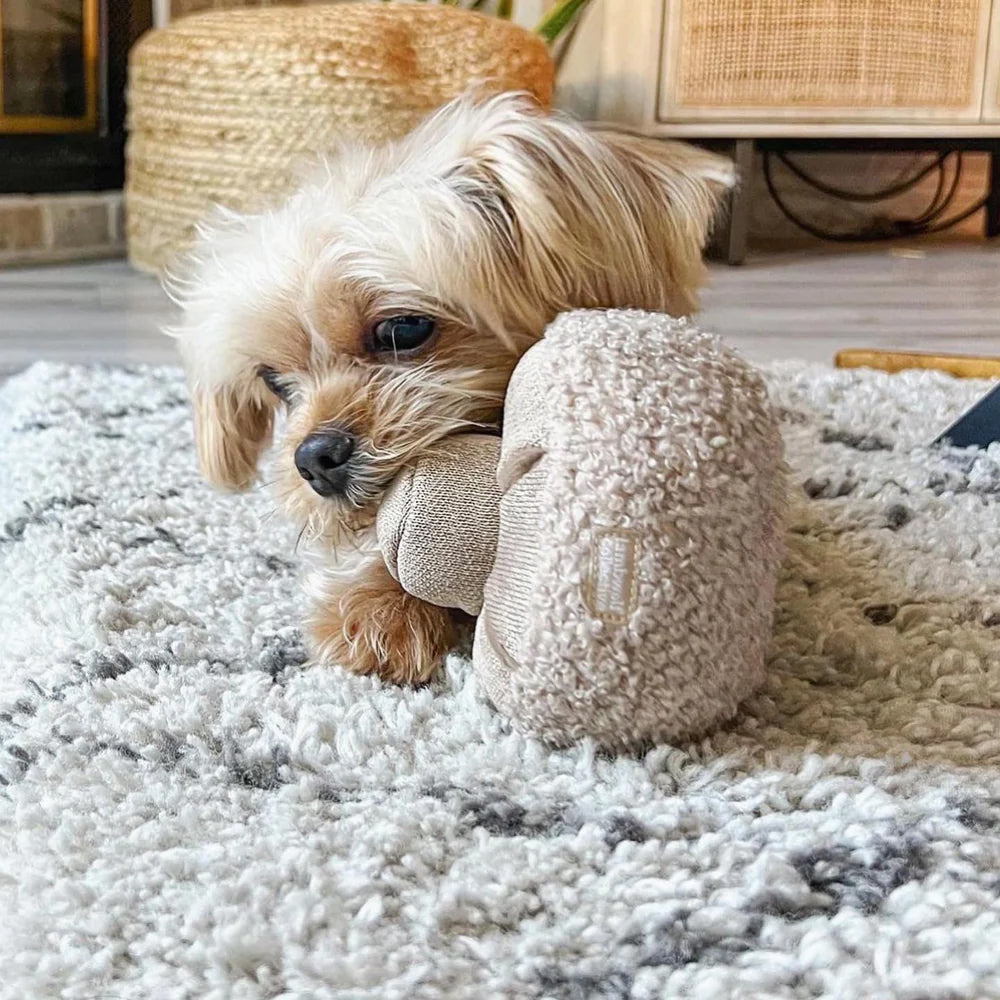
(33, 164)
(731, 239)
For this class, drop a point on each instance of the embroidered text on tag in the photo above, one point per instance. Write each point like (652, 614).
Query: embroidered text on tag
(611, 586)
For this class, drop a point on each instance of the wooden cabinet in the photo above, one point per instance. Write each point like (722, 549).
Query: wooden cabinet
(760, 68)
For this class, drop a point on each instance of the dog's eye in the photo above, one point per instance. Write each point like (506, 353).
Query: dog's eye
(399, 334)
(275, 382)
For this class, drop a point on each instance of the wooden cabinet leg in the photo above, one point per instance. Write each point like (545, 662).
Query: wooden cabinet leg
(729, 241)
(993, 198)
(738, 227)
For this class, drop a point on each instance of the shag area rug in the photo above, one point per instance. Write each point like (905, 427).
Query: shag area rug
(191, 810)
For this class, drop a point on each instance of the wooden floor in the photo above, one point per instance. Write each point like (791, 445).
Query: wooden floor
(802, 304)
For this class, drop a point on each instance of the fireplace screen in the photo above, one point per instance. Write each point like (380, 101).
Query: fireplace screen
(49, 61)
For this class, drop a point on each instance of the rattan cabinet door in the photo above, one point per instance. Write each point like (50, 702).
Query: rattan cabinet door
(833, 61)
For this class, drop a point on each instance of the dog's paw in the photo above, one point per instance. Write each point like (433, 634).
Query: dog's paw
(377, 628)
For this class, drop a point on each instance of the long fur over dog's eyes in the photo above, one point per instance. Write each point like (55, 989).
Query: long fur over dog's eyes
(574, 217)
(490, 218)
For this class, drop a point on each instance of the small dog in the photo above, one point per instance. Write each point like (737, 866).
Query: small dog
(385, 304)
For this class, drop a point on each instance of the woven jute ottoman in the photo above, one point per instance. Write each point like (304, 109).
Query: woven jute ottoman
(224, 107)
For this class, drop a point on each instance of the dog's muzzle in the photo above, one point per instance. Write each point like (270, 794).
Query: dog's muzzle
(322, 460)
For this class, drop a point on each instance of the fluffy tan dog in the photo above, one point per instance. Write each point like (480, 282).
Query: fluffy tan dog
(384, 305)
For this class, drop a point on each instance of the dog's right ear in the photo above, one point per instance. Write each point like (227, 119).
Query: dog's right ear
(214, 288)
(232, 426)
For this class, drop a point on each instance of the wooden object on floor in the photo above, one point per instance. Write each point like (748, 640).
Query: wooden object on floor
(959, 365)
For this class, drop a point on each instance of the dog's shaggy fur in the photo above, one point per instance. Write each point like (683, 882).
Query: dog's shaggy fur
(488, 220)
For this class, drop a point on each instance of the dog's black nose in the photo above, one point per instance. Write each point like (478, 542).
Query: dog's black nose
(321, 458)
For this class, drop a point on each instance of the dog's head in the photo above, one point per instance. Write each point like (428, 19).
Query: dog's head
(384, 305)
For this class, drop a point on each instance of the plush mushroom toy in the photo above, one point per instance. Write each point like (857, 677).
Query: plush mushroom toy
(620, 543)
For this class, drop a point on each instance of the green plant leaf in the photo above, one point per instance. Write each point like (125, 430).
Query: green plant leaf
(559, 19)
(505, 9)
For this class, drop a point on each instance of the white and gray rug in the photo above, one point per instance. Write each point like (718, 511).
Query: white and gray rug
(189, 810)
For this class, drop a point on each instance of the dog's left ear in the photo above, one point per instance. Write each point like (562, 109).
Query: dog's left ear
(583, 217)
(686, 181)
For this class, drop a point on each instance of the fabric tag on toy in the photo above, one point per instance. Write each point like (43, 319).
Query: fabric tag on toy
(610, 590)
(979, 426)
